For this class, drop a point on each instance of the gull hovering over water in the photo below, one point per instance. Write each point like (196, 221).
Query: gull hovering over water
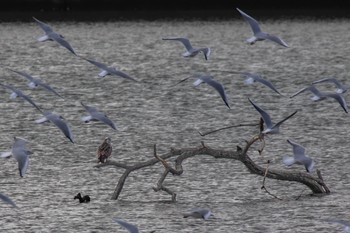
(59, 121)
(20, 153)
(106, 70)
(258, 34)
(34, 82)
(190, 51)
(270, 127)
(341, 88)
(7, 200)
(318, 96)
(95, 114)
(251, 78)
(17, 93)
(198, 213)
(299, 157)
(50, 34)
(213, 83)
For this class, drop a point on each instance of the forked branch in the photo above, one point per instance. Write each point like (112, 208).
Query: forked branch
(316, 184)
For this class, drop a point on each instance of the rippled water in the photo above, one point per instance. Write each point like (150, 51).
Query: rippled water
(153, 111)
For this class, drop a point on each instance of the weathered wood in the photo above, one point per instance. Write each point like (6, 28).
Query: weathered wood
(316, 184)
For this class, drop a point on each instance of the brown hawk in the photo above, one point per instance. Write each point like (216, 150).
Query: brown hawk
(104, 150)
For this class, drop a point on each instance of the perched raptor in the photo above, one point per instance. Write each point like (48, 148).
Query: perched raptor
(104, 150)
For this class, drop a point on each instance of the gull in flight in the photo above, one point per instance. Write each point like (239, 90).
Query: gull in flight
(106, 70)
(299, 157)
(258, 34)
(20, 153)
(59, 121)
(130, 227)
(190, 51)
(34, 82)
(213, 83)
(251, 78)
(346, 224)
(50, 34)
(341, 88)
(270, 127)
(17, 93)
(198, 213)
(95, 114)
(318, 96)
(7, 200)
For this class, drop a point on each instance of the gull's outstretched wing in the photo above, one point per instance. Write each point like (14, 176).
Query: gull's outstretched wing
(7, 200)
(47, 29)
(217, 86)
(186, 42)
(130, 227)
(252, 22)
(266, 117)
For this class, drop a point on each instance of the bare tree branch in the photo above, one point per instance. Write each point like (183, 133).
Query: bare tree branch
(227, 127)
(316, 184)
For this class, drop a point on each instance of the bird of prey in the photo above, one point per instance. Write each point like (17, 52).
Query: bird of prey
(59, 121)
(198, 213)
(270, 127)
(299, 157)
(95, 114)
(104, 150)
(190, 51)
(7, 200)
(251, 78)
(34, 82)
(341, 88)
(258, 34)
(20, 153)
(320, 95)
(17, 93)
(50, 34)
(106, 70)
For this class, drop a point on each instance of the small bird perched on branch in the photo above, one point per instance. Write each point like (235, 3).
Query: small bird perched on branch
(104, 150)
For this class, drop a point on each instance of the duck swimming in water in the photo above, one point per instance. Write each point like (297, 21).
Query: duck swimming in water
(83, 199)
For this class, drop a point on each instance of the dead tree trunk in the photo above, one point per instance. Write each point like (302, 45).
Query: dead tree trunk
(316, 184)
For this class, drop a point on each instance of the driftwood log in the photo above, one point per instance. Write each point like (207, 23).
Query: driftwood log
(315, 183)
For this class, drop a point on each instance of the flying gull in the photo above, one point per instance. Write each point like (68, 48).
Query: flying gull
(270, 127)
(258, 34)
(251, 78)
(34, 82)
(106, 70)
(341, 88)
(130, 227)
(213, 83)
(20, 153)
(95, 114)
(50, 34)
(318, 96)
(299, 157)
(59, 121)
(191, 52)
(7, 200)
(198, 213)
(17, 93)
(346, 224)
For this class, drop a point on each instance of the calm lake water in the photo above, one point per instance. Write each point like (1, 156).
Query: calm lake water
(154, 111)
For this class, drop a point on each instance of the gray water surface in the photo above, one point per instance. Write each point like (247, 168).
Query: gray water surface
(153, 111)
